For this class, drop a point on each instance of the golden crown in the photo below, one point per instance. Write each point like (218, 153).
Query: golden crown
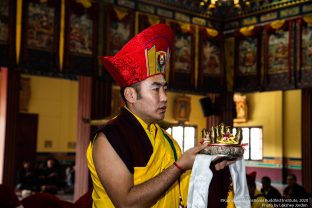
(222, 134)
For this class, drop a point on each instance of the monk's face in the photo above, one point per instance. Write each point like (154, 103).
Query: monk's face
(151, 104)
(291, 180)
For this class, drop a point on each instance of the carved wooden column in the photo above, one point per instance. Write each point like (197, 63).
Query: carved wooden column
(83, 136)
(9, 110)
(306, 144)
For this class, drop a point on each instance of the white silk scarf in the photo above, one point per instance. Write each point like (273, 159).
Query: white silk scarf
(201, 178)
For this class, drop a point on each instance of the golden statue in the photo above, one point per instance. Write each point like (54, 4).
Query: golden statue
(241, 108)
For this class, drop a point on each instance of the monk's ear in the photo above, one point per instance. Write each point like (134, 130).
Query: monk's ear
(130, 94)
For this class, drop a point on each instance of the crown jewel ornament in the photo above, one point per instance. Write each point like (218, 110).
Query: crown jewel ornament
(221, 141)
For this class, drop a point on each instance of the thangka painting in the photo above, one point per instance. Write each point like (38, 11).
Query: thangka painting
(278, 56)
(81, 33)
(304, 68)
(278, 52)
(120, 29)
(182, 61)
(40, 26)
(81, 38)
(211, 69)
(307, 48)
(211, 59)
(183, 53)
(248, 57)
(40, 34)
(4, 21)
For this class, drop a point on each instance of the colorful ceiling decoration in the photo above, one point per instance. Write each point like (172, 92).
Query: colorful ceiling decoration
(226, 8)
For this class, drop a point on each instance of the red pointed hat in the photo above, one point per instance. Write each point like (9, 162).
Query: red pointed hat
(251, 177)
(145, 55)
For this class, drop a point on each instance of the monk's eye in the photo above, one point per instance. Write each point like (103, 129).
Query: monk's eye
(156, 89)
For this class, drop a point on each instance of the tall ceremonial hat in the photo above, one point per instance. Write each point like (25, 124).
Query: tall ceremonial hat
(145, 55)
(251, 177)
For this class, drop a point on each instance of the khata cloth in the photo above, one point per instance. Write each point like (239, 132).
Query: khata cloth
(201, 177)
(146, 153)
(145, 55)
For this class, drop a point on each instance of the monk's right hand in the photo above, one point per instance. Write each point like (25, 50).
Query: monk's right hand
(187, 159)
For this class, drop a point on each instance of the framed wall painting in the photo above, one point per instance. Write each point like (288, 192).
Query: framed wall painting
(181, 112)
(278, 56)
(247, 73)
(40, 35)
(119, 28)
(81, 38)
(304, 52)
(211, 75)
(182, 75)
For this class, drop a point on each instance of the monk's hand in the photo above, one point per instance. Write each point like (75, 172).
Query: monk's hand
(187, 159)
(222, 162)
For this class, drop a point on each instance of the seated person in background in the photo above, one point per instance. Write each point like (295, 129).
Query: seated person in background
(295, 191)
(269, 191)
(70, 178)
(27, 178)
(257, 198)
(50, 177)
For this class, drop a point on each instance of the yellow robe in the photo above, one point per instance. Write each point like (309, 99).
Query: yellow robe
(259, 200)
(161, 159)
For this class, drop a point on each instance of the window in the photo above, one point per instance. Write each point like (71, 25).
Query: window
(184, 135)
(253, 137)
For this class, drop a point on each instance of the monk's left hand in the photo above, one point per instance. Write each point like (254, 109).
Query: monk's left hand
(221, 163)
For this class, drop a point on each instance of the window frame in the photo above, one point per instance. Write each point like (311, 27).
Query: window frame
(249, 146)
(183, 139)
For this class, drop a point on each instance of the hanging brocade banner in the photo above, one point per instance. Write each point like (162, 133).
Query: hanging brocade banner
(211, 74)
(304, 52)
(182, 73)
(40, 35)
(278, 56)
(248, 48)
(81, 38)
